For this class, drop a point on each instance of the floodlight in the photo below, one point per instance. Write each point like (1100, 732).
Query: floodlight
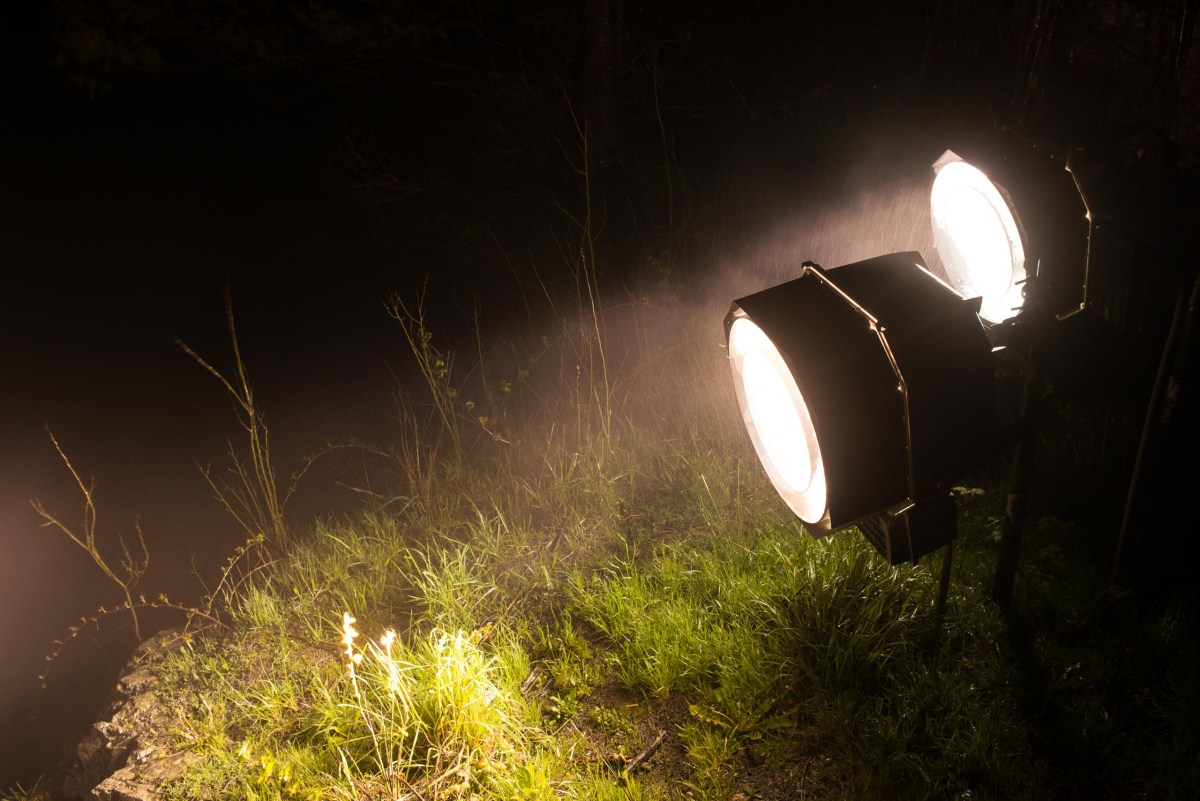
(977, 237)
(778, 420)
(867, 391)
(1008, 218)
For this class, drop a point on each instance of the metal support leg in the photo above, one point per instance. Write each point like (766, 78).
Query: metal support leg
(939, 611)
(1018, 493)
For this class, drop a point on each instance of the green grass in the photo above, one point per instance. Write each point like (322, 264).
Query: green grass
(547, 590)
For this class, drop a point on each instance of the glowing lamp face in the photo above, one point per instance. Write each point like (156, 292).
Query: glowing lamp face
(978, 239)
(778, 420)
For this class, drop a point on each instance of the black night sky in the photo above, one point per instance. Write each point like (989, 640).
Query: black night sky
(316, 157)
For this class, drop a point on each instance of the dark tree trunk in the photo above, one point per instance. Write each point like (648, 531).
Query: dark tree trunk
(605, 34)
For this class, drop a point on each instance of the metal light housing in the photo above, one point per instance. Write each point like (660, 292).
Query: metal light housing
(1009, 220)
(867, 391)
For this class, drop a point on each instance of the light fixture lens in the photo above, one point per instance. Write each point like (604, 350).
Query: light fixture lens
(778, 420)
(978, 239)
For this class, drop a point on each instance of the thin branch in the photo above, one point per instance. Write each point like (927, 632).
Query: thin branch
(637, 761)
(133, 567)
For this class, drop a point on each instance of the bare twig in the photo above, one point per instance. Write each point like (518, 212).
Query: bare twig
(531, 679)
(637, 761)
(133, 562)
(435, 366)
(253, 497)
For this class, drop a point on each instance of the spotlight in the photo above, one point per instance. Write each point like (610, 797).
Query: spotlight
(1038, 239)
(977, 236)
(867, 391)
(1009, 221)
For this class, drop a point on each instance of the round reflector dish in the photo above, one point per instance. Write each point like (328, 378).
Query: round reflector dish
(778, 420)
(978, 240)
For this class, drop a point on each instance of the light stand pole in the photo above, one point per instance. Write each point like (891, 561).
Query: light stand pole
(1013, 524)
(939, 609)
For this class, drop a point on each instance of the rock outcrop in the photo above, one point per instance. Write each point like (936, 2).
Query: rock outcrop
(128, 755)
